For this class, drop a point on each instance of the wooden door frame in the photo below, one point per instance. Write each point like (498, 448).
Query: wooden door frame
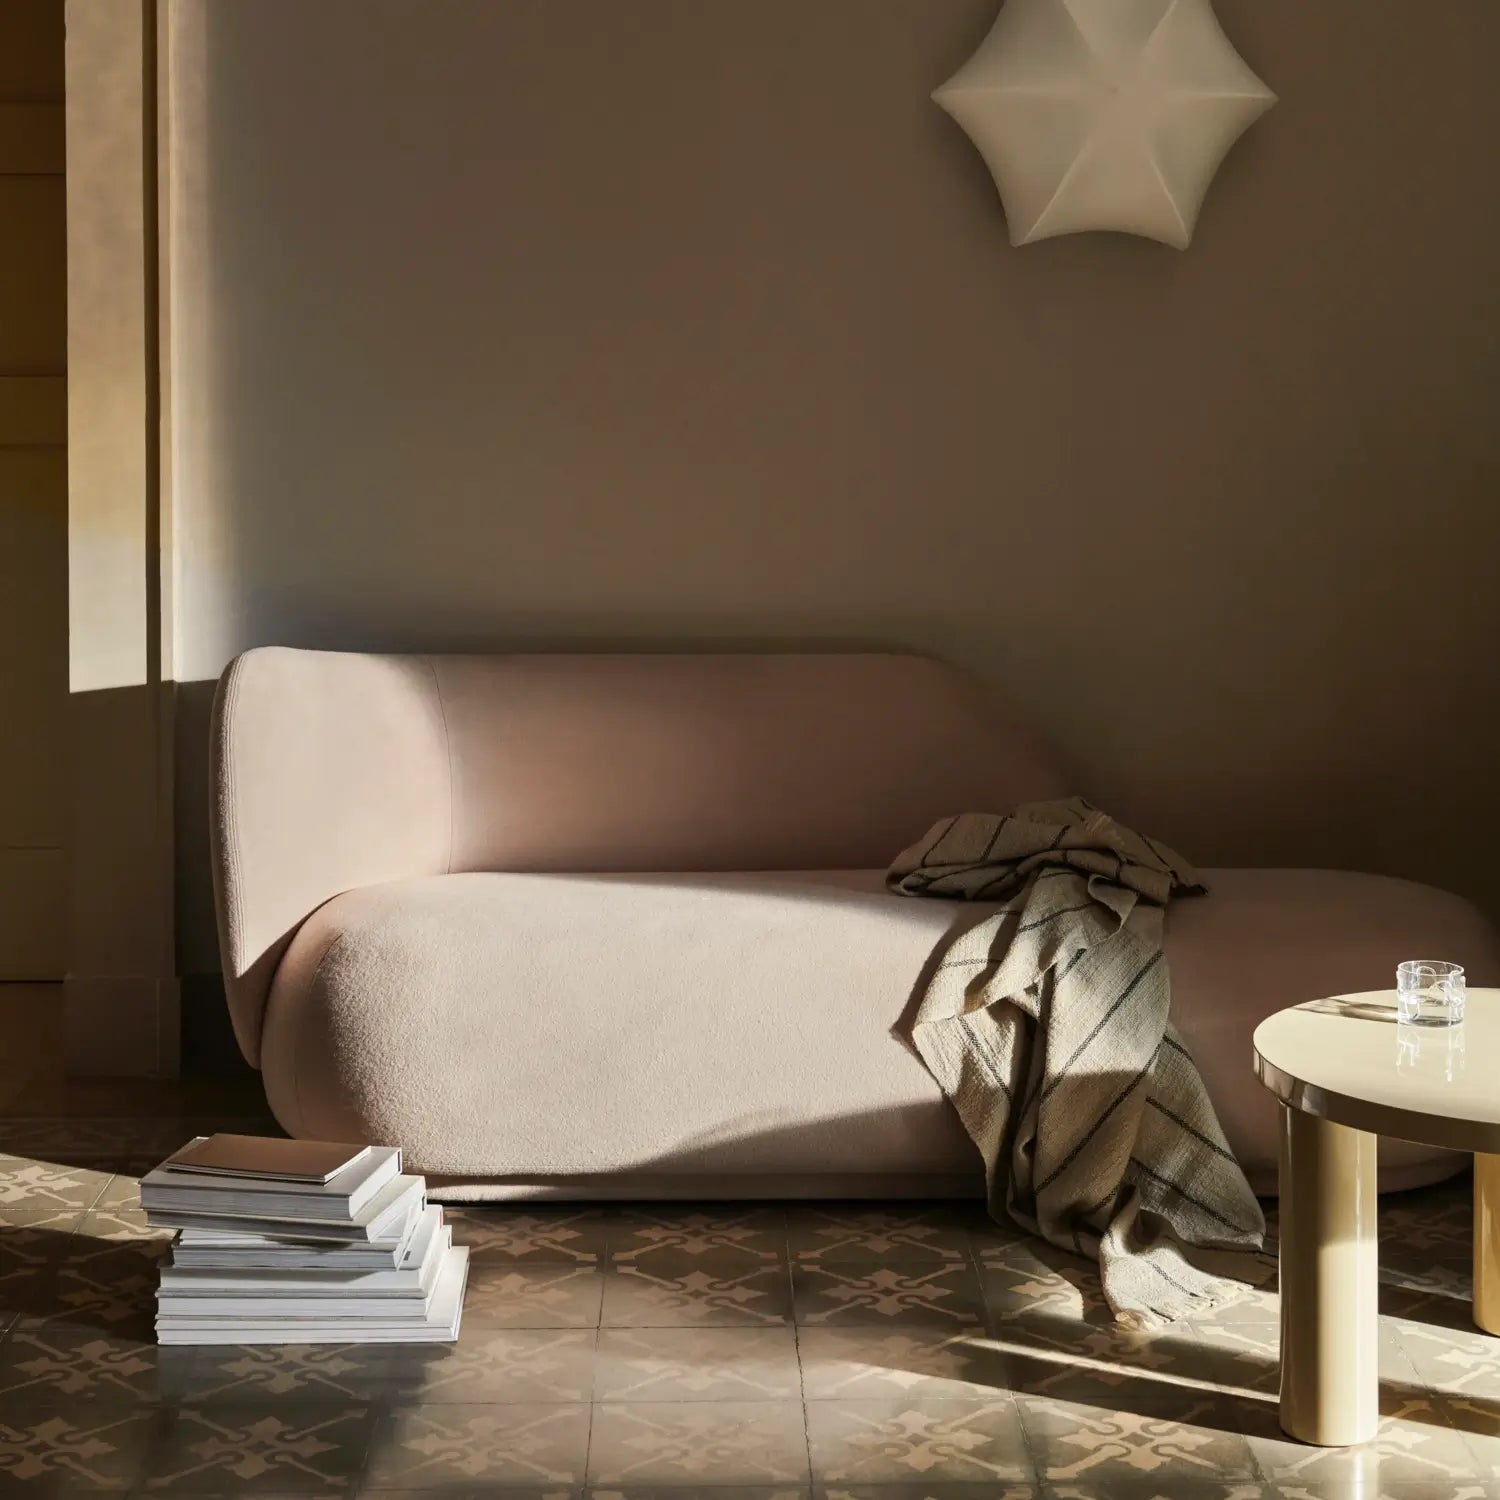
(121, 993)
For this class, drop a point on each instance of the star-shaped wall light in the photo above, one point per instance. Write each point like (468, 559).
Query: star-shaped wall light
(1104, 114)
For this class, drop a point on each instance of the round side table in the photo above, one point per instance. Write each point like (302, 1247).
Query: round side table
(1346, 1072)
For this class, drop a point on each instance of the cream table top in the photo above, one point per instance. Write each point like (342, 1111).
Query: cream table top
(1348, 1060)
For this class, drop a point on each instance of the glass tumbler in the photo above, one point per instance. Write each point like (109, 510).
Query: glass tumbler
(1430, 992)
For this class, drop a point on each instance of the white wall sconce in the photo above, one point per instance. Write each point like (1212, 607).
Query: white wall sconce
(1104, 114)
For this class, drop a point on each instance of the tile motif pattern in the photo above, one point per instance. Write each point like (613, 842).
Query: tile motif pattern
(105, 1285)
(425, 1447)
(744, 1352)
(302, 1374)
(1035, 1283)
(1417, 1443)
(845, 1234)
(94, 1447)
(504, 1294)
(696, 1364)
(28, 1258)
(850, 1364)
(47, 1360)
(685, 1234)
(498, 1365)
(712, 1292)
(924, 1440)
(1078, 1440)
(262, 1449)
(685, 1442)
(914, 1294)
(546, 1236)
(1436, 1293)
(46, 1195)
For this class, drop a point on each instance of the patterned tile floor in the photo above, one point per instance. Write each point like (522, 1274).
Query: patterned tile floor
(740, 1352)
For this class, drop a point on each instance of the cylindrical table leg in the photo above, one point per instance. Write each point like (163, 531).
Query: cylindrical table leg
(1487, 1242)
(1330, 1381)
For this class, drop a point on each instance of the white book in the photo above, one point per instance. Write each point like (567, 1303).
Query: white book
(335, 1201)
(440, 1326)
(319, 1304)
(222, 1250)
(411, 1280)
(379, 1219)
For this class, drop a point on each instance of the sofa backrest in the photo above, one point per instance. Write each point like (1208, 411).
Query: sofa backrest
(336, 770)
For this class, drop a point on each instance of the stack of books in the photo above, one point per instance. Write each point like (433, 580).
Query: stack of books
(301, 1242)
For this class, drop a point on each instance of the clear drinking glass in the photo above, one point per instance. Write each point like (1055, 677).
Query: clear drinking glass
(1430, 992)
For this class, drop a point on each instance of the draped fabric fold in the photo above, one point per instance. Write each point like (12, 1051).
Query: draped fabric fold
(1048, 1028)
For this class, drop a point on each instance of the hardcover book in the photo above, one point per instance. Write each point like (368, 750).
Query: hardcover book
(438, 1322)
(337, 1200)
(381, 1218)
(265, 1156)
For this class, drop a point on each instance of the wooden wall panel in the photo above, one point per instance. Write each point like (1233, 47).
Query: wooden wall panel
(33, 643)
(33, 411)
(32, 923)
(33, 282)
(31, 50)
(31, 138)
(33, 489)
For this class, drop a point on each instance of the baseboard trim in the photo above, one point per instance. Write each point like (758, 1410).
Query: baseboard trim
(121, 1026)
(627, 1186)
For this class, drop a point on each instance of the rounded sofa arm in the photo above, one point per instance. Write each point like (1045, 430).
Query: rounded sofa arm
(331, 771)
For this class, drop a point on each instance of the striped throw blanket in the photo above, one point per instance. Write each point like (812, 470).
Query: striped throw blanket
(1047, 1027)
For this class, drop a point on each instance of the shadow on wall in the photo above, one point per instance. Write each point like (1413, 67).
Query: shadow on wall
(773, 372)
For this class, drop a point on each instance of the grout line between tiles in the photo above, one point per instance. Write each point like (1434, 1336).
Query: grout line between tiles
(604, 1265)
(376, 1411)
(588, 1441)
(797, 1350)
(1035, 1478)
(97, 1200)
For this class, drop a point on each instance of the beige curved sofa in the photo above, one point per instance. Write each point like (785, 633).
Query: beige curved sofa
(602, 926)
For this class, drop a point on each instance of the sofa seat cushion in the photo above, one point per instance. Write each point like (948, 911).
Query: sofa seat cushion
(525, 1027)
(546, 1024)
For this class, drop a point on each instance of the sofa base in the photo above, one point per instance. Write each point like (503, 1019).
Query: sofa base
(627, 1188)
(715, 1187)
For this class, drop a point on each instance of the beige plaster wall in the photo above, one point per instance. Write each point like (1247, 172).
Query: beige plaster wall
(563, 321)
